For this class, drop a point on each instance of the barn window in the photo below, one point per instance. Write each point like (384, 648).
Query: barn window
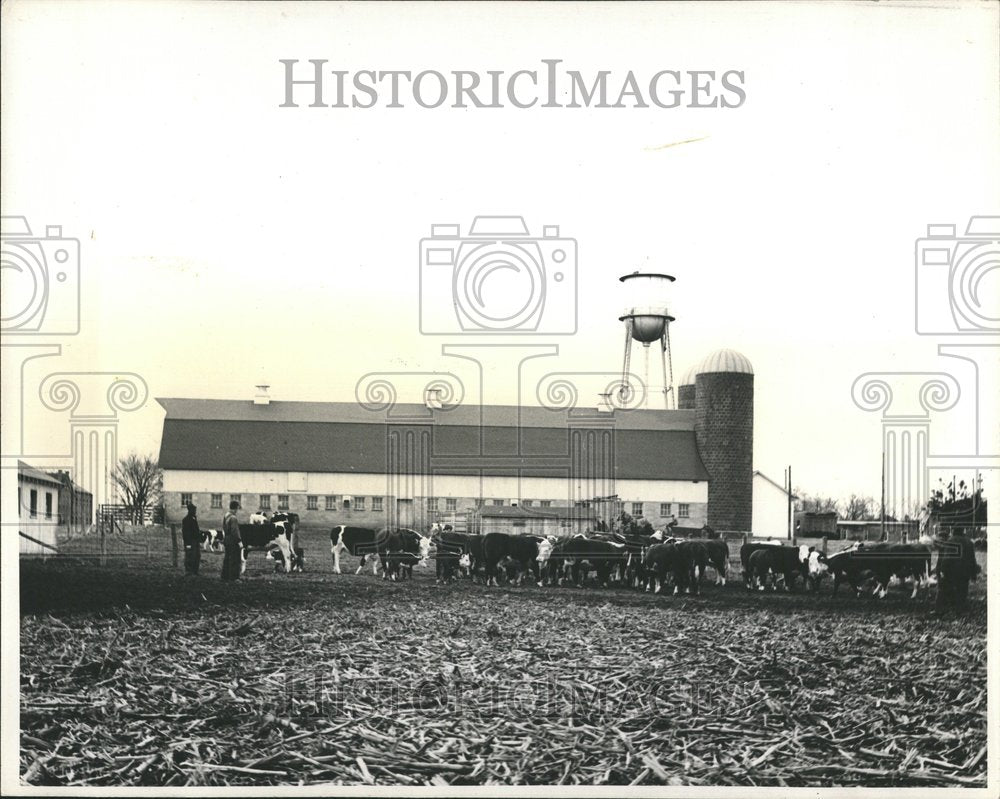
(34, 503)
(526, 503)
(451, 503)
(282, 501)
(545, 503)
(377, 504)
(498, 502)
(684, 510)
(664, 509)
(637, 509)
(216, 500)
(238, 498)
(312, 503)
(265, 502)
(619, 508)
(48, 505)
(359, 503)
(432, 503)
(185, 498)
(331, 502)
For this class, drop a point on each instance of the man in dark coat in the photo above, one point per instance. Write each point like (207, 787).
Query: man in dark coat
(956, 566)
(192, 540)
(232, 561)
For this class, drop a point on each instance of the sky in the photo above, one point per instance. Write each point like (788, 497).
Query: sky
(224, 238)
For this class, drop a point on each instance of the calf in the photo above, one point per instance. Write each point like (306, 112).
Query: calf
(454, 551)
(717, 556)
(212, 540)
(298, 558)
(258, 518)
(262, 537)
(767, 560)
(521, 548)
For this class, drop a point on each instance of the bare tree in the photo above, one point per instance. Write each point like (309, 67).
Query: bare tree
(139, 478)
(816, 504)
(859, 508)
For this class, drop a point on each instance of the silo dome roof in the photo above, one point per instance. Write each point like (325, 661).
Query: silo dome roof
(729, 361)
(687, 379)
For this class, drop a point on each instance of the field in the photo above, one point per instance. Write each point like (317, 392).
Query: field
(133, 674)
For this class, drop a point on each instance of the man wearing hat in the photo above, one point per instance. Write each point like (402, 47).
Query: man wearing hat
(192, 540)
(232, 562)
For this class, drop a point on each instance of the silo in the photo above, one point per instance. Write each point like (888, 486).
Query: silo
(724, 429)
(685, 390)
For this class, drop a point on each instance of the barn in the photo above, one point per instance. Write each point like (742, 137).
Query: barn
(416, 464)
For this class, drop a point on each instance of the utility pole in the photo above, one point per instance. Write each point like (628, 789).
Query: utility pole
(788, 491)
(882, 525)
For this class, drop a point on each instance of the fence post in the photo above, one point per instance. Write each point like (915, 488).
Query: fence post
(824, 545)
(101, 525)
(173, 544)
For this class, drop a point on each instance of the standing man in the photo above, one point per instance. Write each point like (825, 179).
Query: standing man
(956, 566)
(232, 561)
(192, 540)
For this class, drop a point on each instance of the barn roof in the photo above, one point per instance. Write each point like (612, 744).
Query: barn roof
(340, 437)
(29, 472)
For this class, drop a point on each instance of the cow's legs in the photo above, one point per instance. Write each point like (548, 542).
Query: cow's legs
(336, 549)
(286, 551)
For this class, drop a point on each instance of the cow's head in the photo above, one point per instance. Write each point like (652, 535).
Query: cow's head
(427, 547)
(465, 562)
(545, 547)
(818, 565)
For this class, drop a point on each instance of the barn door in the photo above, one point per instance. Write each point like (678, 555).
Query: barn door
(404, 512)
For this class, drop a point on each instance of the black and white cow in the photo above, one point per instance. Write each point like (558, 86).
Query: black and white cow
(668, 559)
(765, 563)
(521, 548)
(402, 549)
(298, 559)
(717, 553)
(262, 537)
(366, 543)
(884, 562)
(212, 540)
(456, 551)
(581, 554)
(358, 541)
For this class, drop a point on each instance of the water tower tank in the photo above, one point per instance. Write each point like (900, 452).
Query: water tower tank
(646, 319)
(646, 295)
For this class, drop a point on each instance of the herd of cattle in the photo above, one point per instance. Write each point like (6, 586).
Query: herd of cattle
(650, 562)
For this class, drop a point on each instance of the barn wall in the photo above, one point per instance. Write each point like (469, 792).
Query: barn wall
(467, 490)
(38, 527)
(770, 509)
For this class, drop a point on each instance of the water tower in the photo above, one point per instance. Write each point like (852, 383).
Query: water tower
(647, 321)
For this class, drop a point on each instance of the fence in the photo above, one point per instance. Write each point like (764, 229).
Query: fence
(115, 543)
